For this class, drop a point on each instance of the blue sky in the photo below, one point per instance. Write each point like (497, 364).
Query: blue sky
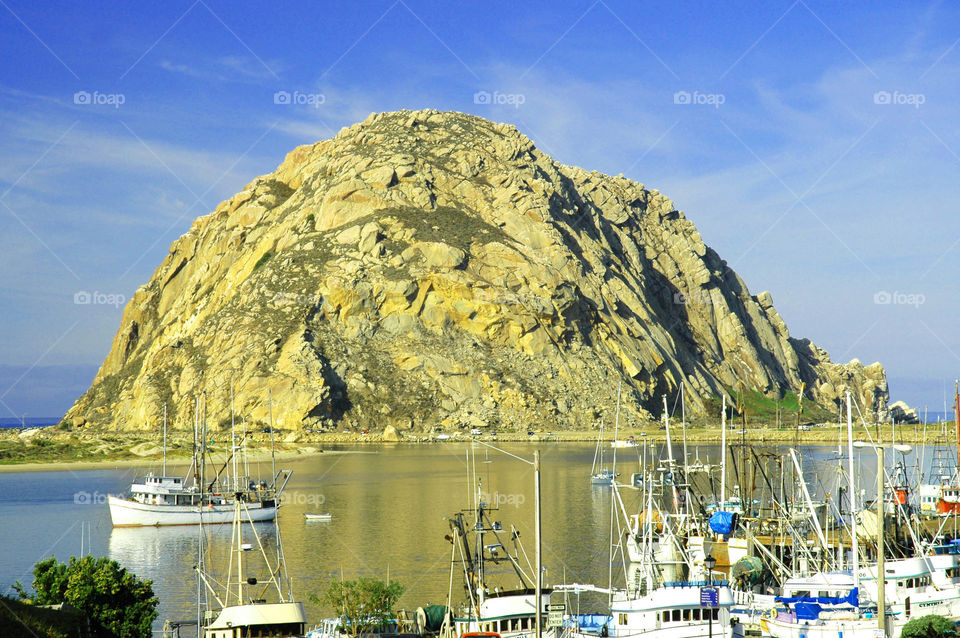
(813, 144)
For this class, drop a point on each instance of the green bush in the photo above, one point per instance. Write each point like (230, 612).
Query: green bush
(929, 627)
(362, 604)
(117, 602)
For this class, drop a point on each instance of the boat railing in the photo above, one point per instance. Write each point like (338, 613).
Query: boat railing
(696, 583)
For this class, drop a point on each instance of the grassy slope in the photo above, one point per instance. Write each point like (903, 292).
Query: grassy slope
(19, 619)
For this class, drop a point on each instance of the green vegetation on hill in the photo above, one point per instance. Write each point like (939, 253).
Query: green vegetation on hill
(760, 408)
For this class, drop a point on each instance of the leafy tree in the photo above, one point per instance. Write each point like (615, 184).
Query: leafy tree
(362, 604)
(929, 627)
(117, 602)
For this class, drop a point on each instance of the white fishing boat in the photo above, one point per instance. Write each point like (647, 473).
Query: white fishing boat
(877, 600)
(671, 591)
(161, 500)
(495, 603)
(165, 500)
(675, 610)
(237, 607)
(824, 604)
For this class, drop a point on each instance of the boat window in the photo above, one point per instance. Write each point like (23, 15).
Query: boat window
(716, 613)
(696, 614)
(686, 614)
(676, 615)
(666, 616)
(623, 619)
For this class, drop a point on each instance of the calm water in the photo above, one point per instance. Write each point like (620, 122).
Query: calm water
(388, 505)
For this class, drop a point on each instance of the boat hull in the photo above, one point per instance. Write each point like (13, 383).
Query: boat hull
(126, 513)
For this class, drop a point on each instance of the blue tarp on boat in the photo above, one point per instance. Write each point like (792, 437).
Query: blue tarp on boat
(723, 522)
(853, 598)
(808, 611)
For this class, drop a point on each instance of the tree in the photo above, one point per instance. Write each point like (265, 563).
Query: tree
(929, 627)
(362, 604)
(117, 602)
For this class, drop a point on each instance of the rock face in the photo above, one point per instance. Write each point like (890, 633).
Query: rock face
(427, 268)
(900, 412)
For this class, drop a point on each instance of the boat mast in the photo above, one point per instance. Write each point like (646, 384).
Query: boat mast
(202, 425)
(233, 441)
(536, 472)
(683, 431)
(163, 471)
(598, 452)
(723, 454)
(854, 544)
(670, 462)
(616, 433)
(273, 454)
(956, 416)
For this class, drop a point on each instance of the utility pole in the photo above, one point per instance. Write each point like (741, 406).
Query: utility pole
(536, 495)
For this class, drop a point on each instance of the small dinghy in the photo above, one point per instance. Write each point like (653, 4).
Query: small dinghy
(318, 517)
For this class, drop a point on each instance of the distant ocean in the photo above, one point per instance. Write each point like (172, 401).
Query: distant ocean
(30, 422)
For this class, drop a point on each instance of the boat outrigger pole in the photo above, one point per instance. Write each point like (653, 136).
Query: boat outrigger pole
(956, 414)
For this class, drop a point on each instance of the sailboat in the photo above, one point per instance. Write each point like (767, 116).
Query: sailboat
(600, 475)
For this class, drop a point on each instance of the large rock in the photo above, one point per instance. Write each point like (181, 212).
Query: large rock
(900, 412)
(427, 268)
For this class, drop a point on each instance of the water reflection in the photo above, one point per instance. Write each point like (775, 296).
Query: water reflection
(168, 555)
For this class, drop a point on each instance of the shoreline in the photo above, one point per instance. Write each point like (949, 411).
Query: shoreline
(304, 445)
(53, 465)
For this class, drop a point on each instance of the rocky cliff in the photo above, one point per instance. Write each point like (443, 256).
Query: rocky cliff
(427, 268)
